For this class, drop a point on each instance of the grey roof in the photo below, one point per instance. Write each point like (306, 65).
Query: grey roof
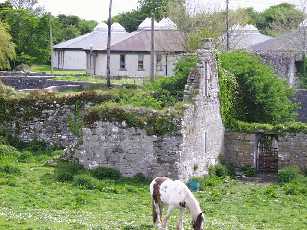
(165, 40)
(288, 42)
(242, 37)
(96, 39)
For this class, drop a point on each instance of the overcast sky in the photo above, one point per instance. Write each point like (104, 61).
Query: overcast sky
(98, 9)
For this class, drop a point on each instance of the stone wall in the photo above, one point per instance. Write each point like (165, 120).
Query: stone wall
(188, 152)
(301, 97)
(241, 149)
(43, 82)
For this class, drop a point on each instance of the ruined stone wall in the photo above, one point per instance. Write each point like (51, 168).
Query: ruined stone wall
(202, 127)
(292, 150)
(130, 150)
(188, 152)
(241, 149)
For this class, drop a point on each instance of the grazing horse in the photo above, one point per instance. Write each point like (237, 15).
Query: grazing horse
(174, 194)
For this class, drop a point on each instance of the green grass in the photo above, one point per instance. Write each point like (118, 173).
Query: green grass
(34, 199)
(47, 69)
(96, 79)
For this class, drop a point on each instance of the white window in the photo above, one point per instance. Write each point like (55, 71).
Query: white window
(141, 62)
(122, 62)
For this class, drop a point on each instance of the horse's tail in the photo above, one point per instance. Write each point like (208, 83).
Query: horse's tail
(154, 212)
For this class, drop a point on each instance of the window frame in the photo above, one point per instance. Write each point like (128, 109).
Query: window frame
(141, 62)
(122, 65)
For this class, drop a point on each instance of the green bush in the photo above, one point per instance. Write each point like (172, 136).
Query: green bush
(288, 174)
(219, 170)
(9, 169)
(25, 157)
(211, 181)
(262, 96)
(65, 171)
(295, 187)
(106, 173)
(85, 182)
(8, 152)
(249, 171)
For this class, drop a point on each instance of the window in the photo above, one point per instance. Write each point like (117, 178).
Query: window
(141, 62)
(159, 62)
(122, 62)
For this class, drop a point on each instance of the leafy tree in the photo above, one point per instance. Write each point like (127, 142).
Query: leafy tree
(7, 48)
(262, 96)
(24, 4)
(132, 19)
(279, 18)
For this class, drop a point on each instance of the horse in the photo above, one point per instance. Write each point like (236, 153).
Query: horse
(174, 194)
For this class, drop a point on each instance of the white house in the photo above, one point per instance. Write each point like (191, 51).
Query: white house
(130, 56)
(71, 55)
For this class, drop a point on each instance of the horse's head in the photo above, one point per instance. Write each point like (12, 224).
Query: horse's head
(199, 222)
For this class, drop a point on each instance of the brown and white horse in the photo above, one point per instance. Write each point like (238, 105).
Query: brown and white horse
(174, 194)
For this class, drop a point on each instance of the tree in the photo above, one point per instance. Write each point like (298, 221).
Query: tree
(279, 19)
(131, 20)
(24, 4)
(7, 47)
(262, 96)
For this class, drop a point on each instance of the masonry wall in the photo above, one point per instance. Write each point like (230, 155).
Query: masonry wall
(187, 152)
(301, 98)
(241, 149)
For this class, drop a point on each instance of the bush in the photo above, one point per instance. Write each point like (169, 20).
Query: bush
(65, 171)
(262, 96)
(85, 182)
(9, 169)
(106, 173)
(211, 181)
(295, 187)
(219, 170)
(7, 151)
(25, 157)
(249, 171)
(288, 174)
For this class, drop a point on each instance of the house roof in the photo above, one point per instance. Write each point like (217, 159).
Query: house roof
(97, 38)
(140, 41)
(146, 24)
(167, 24)
(288, 42)
(242, 37)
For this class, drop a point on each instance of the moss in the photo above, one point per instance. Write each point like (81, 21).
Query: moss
(290, 127)
(155, 122)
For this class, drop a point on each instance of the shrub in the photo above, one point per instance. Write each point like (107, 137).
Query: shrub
(219, 170)
(249, 171)
(7, 151)
(288, 174)
(9, 169)
(65, 171)
(63, 176)
(106, 173)
(262, 96)
(295, 187)
(85, 182)
(211, 181)
(25, 157)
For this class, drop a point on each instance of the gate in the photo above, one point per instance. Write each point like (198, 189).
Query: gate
(267, 154)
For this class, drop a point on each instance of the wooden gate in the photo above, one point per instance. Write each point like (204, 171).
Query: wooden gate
(267, 154)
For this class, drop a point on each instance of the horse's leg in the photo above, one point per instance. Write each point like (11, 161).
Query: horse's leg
(180, 220)
(157, 208)
(165, 220)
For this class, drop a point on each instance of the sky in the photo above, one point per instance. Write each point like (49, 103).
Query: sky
(98, 9)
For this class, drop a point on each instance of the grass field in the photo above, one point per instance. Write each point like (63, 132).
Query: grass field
(31, 197)
(47, 69)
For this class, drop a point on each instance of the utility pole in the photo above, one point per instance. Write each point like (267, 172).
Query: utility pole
(227, 26)
(109, 46)
(51, 43)
(152, 53)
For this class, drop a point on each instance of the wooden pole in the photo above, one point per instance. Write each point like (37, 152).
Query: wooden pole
(109, 46)
(152, 53)
(227, 25)
(51, 43)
